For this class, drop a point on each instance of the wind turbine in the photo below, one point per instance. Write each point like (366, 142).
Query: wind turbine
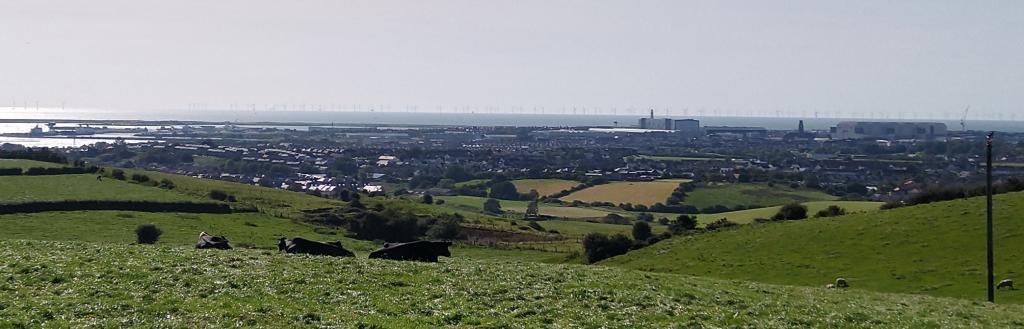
(963, 119)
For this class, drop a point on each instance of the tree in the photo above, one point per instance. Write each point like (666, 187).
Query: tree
(147, 234)
(682, 224)
(504, 190)
(792, 211)
(457, 173)
(598, 246)
(641, 231)
(427, 198)
(532, 210)
(492, 206)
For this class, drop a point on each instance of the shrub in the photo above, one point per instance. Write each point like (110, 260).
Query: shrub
(598, 246)
(614, 218)
(218, 195)
(831, 211)
(147, 234)
(792, 211)
(427, 198)
(641, 231)
(117, 174)
(439, 201)
(492, 206)
(140, 178)
(720, 224)
(682, 224)
(166, 183)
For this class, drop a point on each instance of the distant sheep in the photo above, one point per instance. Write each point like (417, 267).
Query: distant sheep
(1005, 284)
(830, 286)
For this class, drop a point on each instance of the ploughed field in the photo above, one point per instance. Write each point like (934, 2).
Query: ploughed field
(76, 284)
(640, 193)
(935, 249)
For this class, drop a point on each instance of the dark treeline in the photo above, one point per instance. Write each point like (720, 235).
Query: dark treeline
(143, 206)
(37, 154)
(953, 192)
(37, 171)
(387, 224)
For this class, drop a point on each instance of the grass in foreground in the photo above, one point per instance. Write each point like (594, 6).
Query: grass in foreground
(645, 193)
(936, 249)
(78, 284)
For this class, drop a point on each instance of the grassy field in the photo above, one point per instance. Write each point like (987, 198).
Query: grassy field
(748, 216)
(472, 182)
(936, 249)
(14, 189)
(254, 230)
(544, 186)
(23, 164)
(580, 228)
(49, 284)
(645, 193)
(731, 195)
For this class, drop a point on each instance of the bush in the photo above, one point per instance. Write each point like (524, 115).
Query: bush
(641, 231)
(492, 206)
(166, 183)
(147, 234)
(598, 246)
(117, 174)
(10, 171)
(682, 224)
(831, 211)
(720, 224)
(427, 198)
(535, 226)
(219, 195)
(792, 211)
(614, 218)
(439, 201)
(139, 177)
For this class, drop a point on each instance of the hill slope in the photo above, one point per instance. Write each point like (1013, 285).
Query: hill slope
(936, 249)
(79, 284)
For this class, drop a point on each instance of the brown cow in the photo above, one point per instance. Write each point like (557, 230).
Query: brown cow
(424, 251)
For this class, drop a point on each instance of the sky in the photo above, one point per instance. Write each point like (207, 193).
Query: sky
(915, 58)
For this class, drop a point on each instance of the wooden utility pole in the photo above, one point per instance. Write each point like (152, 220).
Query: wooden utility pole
(988, 195)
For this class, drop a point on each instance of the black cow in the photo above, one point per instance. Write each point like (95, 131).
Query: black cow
(303, 246)
(423, 251)
(207, 241)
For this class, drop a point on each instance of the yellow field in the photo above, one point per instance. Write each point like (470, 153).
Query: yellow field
(543, 186)
(645, 193)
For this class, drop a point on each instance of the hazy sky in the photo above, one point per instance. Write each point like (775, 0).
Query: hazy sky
(797, 57)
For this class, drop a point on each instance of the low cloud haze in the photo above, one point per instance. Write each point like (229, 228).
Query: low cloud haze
(722, 57)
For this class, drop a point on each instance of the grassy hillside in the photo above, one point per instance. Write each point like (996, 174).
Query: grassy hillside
(645, 193)
(732, 195)
(24, 164)
(15, 189)
(78, 284)
(748, 216)
(544, 186)
(476, 204)
(936, 249)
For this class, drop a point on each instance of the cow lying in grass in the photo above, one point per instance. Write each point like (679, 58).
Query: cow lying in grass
(424, 251)
(1005, 284)
(207, 241)
(303, 246)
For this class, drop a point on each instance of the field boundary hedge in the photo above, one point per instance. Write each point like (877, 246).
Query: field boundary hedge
(142, 206)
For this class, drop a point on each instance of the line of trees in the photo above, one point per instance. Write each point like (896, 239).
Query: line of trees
(953, 192)
(144, 206)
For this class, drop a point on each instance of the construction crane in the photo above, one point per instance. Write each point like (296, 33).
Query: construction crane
(963, 119)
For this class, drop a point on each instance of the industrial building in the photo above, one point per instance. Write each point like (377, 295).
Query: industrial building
(888, 130)
(688, 127)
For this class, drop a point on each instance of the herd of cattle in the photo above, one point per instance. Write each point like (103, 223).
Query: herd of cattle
(424, 251)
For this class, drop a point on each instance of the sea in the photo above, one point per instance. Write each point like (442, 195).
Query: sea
(21, 120)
